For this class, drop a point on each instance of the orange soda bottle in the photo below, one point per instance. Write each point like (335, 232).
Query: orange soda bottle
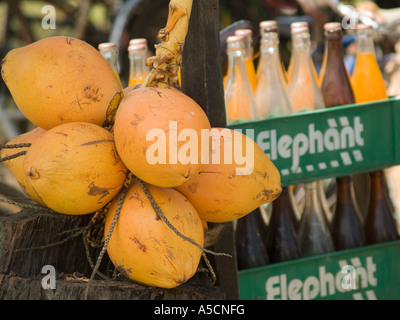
(247, 35)
(239, 99)
(137, 63)
(367, 80)
(304, 92)
(289, 73)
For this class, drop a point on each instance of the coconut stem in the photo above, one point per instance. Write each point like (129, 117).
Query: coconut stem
(107, 240)
(13, 156)
(161, 215)
(168, 59)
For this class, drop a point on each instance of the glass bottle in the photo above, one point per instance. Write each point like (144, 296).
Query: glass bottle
(251, 250)
(314, 235)
(304, 92)
(247, 35)
(294, 26)
(109, 52)
(335, 86)
(271, 95)
(239, 99)
(137, 63)
(145, 43)
(347, 229)
(282, 244)
(367, 80)
(380, 225)
(337, 90)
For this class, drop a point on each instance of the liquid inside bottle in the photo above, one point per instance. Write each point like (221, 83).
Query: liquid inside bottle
(304, 92)
(314, 235)
(137, 52)
(347, 229)
(380, 225)
(109, 52)
(336, 87)
(240, 104)
(367, 80)
(282, 244)
(271, 95)
(247, 35)
(293, 30)
(250, 238)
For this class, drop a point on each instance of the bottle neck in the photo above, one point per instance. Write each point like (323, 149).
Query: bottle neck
(137, 60)
(111, 56)
(311, 196)
(365, 41)
(236, 64)
(270, 44)
(344, 191)
(377, 190)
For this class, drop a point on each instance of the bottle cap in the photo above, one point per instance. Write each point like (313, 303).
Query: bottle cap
(299, 30)
(137, 46)
(137, 40)
(333, 26)
(298, 24)
(232, 39)
(244, 32)
(106, 45)
(269, 25)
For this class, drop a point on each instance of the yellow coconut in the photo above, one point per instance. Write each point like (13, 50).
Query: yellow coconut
(144, 248)
(157, 134)
(74, 168)
(232, 186)
(16, 165)
(61, 79)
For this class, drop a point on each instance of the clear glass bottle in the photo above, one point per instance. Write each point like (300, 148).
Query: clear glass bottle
(137, 63)
(304, 92)
(250, 244)
(293, 29)
(380, 225)
(347, 229)
(367, 80)
(313, 235)
(271, 92)
(240, 104)
(247, 35)
(109, 52)
(282, 243)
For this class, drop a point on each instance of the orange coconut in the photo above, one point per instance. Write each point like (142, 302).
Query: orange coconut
(157, 134)
(61, 79)
(144, 248)
(230, 187)
(16, 165)
(74, 168)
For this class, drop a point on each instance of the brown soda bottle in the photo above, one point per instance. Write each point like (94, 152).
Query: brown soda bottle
(337, 90)
(282, 244)
(250, 239)
(380, 225)
(347, 229)
(313, 235)
(335, 80)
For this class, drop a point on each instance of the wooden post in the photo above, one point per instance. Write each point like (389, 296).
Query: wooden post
(202, 81)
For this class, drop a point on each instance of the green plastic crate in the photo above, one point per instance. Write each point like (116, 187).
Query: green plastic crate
(321, 144)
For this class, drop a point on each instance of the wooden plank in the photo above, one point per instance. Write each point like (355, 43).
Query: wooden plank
(202, 81)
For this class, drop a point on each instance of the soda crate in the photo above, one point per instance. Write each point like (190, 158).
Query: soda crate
(367, 273)
(328, 143)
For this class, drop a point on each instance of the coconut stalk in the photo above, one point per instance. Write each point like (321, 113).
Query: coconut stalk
(168, 59)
